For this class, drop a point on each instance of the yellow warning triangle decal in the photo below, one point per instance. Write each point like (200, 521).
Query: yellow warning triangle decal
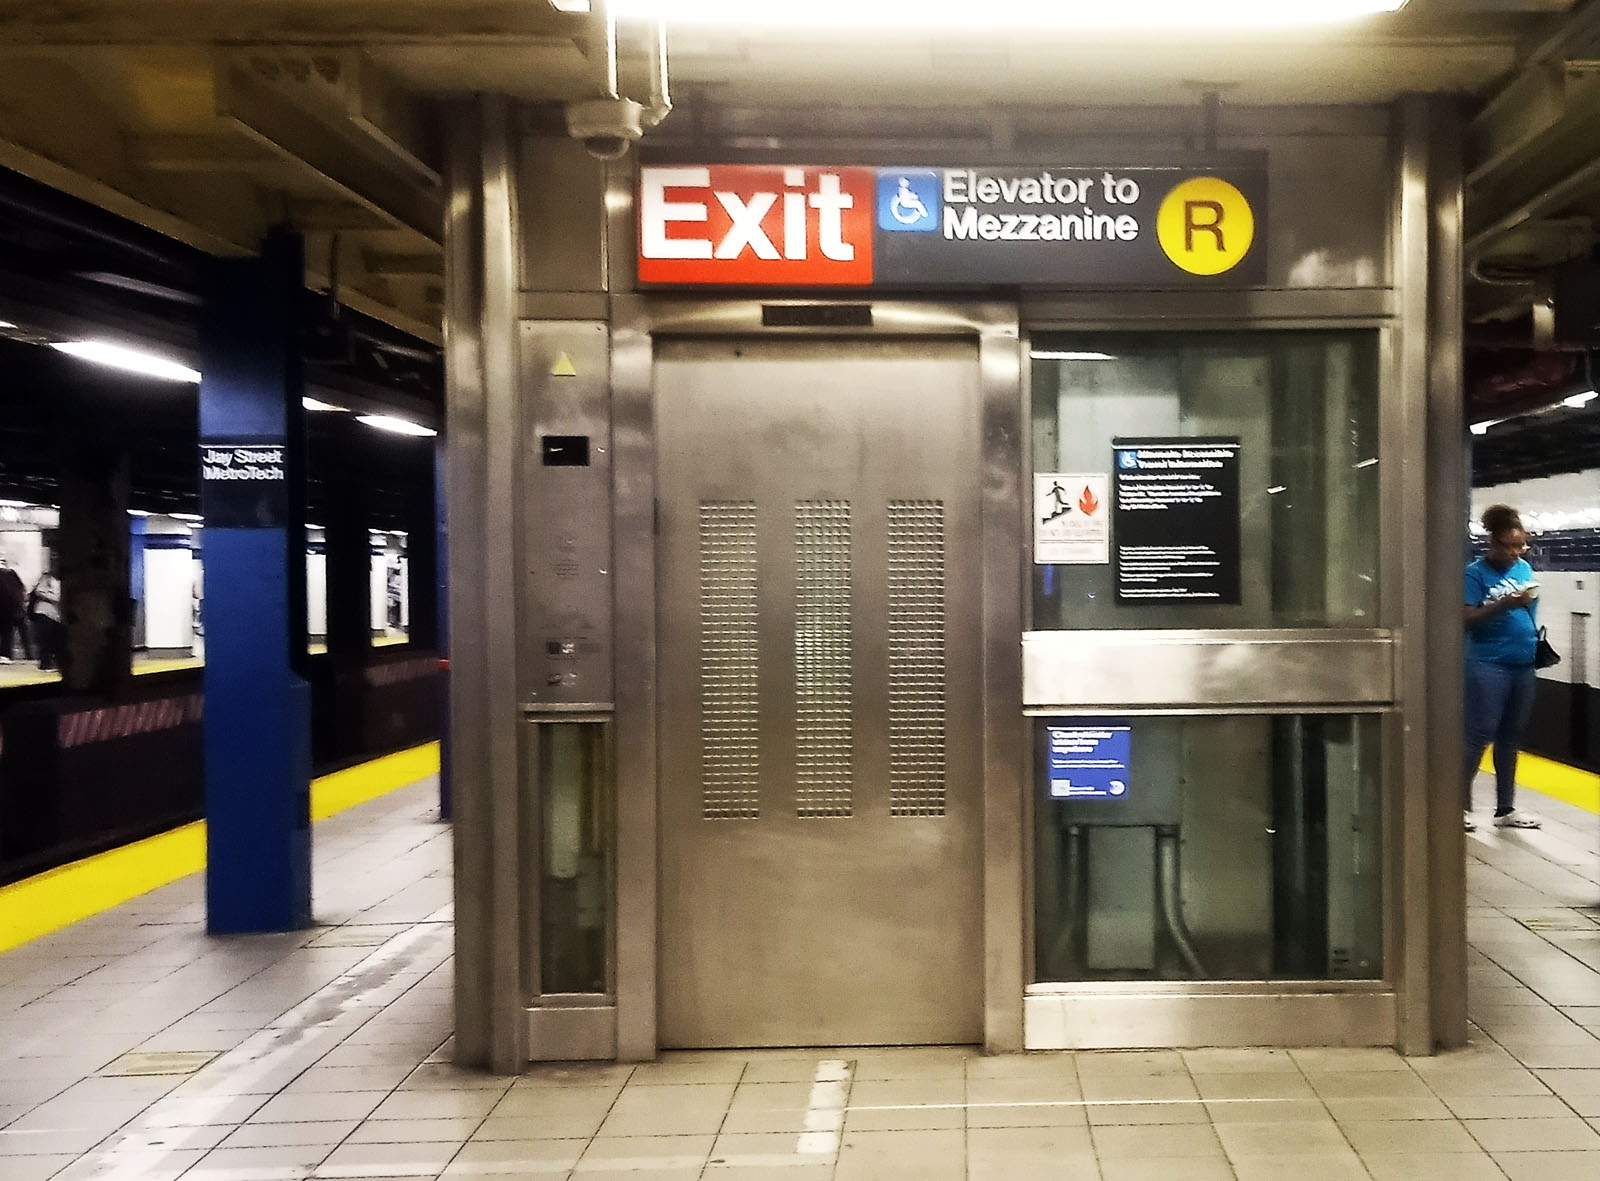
(563, 367)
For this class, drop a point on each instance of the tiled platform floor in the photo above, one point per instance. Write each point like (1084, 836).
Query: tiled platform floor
(133, 1048)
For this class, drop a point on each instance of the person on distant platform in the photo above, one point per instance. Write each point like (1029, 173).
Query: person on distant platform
(1502, 636)
(13, 607)
(44, 613)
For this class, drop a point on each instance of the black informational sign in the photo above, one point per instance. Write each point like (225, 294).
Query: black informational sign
(244, 485)
(1175, 520)
(1066, 226)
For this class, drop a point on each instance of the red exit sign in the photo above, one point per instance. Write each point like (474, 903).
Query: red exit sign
(756, 225)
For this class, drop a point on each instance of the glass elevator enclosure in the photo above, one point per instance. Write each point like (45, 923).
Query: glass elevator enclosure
(1199, 815)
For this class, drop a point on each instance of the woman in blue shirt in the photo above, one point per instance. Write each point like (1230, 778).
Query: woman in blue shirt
(1502, 633)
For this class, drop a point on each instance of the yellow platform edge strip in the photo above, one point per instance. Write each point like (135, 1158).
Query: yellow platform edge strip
(60, 897)
(1581, 789)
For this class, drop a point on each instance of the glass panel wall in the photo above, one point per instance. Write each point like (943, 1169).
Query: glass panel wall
(1302, 410)
(1208, 847)
(573, 826)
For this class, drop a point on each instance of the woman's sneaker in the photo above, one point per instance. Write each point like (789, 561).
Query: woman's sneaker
(1515, 819)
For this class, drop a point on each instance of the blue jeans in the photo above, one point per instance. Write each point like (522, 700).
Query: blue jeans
(1498, 700)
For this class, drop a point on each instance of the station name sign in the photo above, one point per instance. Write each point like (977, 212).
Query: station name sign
(244, 484)
(743, 225)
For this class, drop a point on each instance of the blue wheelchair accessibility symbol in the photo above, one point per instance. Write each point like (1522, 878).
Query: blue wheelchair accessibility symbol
(1127, 460)
(908, 202)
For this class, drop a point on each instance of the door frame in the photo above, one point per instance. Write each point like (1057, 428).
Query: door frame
(636, 322)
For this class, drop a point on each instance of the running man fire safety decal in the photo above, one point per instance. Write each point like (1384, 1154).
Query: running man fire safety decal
(1063, 226)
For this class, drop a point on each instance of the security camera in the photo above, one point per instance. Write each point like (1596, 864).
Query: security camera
(605, 125)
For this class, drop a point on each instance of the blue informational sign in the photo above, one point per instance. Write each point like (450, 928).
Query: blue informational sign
(1089, 762)
(909, 202)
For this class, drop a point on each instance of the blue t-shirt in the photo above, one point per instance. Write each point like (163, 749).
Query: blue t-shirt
(1511, 636)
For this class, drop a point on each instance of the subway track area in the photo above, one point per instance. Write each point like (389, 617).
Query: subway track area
(132, 1046)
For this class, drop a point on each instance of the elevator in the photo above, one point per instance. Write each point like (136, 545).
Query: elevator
(819, 618)
(775, 658)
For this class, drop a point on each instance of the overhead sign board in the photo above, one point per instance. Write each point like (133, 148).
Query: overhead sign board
(1177, 520)
(741, 225)
(1090, 761)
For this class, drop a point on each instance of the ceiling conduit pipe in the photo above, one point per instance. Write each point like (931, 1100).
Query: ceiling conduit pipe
(608, 124)
(660, 104)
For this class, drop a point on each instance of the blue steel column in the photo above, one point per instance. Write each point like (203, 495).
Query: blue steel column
(257, 701)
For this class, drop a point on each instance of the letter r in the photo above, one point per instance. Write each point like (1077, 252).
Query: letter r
(1192, 224)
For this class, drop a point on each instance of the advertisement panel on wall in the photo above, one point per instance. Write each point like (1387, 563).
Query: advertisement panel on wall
(747, 225)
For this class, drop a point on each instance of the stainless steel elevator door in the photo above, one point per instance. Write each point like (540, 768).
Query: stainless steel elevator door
(819, 620)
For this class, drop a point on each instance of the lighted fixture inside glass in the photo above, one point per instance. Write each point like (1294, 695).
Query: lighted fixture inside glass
(1277, 488)
(1373, 462)
(130, 360)
(1481, 428)
(999, 15)
(186, 516)
(1053, 355)
(1582, 399)
(399, 426)
(319, 404)
(4, 324)
(138, 512)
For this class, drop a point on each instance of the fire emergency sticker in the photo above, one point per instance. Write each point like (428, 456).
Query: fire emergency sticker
(1071, 519)
(1062, 226)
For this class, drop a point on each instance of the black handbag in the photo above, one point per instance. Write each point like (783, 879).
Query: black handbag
(1544, 656)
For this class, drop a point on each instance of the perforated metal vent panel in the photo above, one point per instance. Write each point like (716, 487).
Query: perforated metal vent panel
(824, 706)
(916, 658)
(729, 752)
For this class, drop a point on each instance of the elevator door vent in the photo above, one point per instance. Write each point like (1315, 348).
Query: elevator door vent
(728, 699)
(916, 658)
(823, 663)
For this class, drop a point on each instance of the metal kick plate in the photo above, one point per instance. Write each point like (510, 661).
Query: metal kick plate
(1078, 671)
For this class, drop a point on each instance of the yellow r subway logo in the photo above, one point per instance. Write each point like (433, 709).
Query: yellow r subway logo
(1206, 226)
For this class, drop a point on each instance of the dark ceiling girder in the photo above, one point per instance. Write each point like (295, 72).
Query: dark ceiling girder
(328, 155)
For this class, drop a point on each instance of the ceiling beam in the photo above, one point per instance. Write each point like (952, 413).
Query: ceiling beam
(117, 200)
(333, 157)
(304, 22)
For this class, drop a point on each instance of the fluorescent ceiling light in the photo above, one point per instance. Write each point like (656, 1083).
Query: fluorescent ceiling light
(4, 324)
(399, 426)
(1367, 463)
(999, 15)
(318, 404)
(186, 516)
(1052, 355)
(1482, 428)
(1277, 488)
(118, 356)
(138, 512)
(17, 504)
(1582, 399)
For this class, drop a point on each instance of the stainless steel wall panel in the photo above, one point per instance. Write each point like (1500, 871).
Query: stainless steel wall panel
(565, 645)
(482, 459)
(562, 245)
(1283, 670)
(574, 1034)
(1448, 463)
(1261, 1015)
(634, 505)
(1222, 310)
(1006, 766)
